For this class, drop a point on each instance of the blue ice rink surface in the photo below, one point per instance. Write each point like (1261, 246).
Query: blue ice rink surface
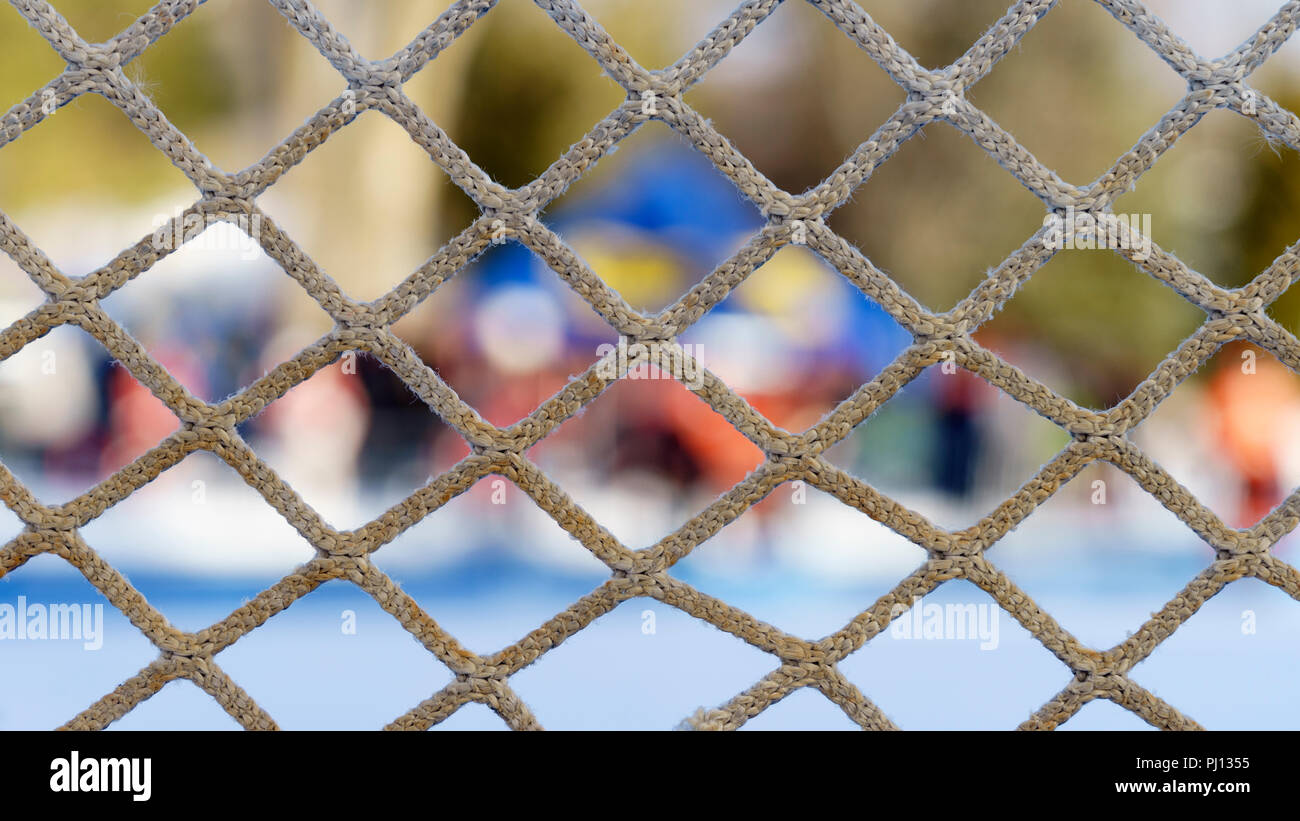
(648, 666)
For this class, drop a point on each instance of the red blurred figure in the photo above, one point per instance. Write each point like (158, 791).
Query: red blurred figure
(138, 420)
(1252, 396)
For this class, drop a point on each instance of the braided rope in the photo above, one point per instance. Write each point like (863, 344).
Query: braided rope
(931, 95)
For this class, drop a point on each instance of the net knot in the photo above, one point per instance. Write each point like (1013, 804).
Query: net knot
(939, 332)
(941, 99)
(1208, 75)
(652, 98)
(799, 229)
(1239, 322)
(498, 233)
(1103, 442)
(498, 450)
(101, 57)
(779, 206)
(383, 76)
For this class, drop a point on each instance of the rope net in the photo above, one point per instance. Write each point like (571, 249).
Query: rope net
(652, 95)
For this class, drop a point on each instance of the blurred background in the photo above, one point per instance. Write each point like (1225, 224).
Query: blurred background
(796, 338)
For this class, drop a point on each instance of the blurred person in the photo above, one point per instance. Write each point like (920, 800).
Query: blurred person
(54, 412)
(960, 399)
(138, 420)
(396, 420)
(654, 437)
(314, 433)
(1253, 401)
